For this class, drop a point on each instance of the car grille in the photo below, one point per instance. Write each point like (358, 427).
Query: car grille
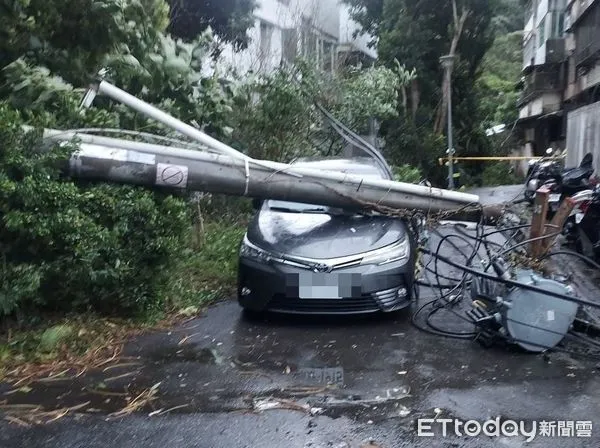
(388, 300)
(365, 304)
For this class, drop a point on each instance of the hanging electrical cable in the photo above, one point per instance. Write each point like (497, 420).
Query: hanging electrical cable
(450, 295)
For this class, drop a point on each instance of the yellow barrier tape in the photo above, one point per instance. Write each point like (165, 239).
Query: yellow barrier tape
(508, 158)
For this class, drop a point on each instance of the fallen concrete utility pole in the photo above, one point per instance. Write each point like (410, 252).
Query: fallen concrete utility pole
(222, 174)
(234, 173)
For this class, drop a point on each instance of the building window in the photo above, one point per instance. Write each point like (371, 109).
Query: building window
(266, 37)
(289, 45)
(309, 42)
(328, 56)
(541, 32)
(558, 25)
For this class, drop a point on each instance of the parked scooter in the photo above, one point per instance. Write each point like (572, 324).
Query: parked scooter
(540, 171)
(587, 239)
(565, 182)
(582, 201)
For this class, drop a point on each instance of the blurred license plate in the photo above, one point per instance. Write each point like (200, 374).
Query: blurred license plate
(554, 197)
(328, 375)
(319, 286)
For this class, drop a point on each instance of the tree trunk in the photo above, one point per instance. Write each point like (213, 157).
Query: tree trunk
(459, 23)
(415, 92)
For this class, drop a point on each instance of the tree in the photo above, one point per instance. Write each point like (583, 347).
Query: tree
(72, 37)
(66, 245)
(501, 69)
(229, 19)
(458, 24)
(418, 33)
(508, 16)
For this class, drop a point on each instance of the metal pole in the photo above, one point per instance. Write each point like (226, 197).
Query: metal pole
(387, 187)
(127, 99)
(450, 136)
(448, 63)
(323, 185)
(215, 173)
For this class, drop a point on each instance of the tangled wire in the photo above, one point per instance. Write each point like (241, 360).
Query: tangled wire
(481, 255)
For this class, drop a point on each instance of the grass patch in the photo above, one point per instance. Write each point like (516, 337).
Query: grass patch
(499, 173)
(76, 343)
(209, 271)
(69, 345)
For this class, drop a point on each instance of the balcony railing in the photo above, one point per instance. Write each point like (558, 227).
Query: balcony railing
(587, 36)
(538, 83)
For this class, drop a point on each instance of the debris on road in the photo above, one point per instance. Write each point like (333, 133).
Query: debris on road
(270, 403)
(392, 395)
(30, 414)
(139, 402)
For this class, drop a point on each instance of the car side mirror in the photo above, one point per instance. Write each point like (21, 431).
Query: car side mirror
(257, 203)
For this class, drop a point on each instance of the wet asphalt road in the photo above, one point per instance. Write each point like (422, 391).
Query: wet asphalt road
(386, 373)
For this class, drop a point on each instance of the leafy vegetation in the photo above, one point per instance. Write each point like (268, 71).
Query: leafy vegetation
(407, 173)
(72, 246)
(230, 19)
(276, 116)
(497, 83)
(485, 40)
(68, 246)
(500, 173)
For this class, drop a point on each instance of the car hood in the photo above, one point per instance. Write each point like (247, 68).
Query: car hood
(322, 236)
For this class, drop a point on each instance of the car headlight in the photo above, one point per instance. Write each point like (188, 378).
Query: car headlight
(390, 254)
(249, 250)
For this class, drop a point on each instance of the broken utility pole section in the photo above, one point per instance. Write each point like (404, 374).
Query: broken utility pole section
(224, 170)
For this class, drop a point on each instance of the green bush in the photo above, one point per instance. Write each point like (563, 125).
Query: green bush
(499, 173)
(407, 173)
(74, 246)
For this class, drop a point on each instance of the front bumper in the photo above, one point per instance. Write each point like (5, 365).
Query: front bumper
(276, 287)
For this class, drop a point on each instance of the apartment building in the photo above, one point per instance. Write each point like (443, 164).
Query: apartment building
(560, 102)
(321, 30)
(541, 114)
(582, 92)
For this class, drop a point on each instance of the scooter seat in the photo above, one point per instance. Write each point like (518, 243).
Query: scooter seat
(576, 175)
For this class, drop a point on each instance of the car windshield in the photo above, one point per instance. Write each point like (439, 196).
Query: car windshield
(298, 207)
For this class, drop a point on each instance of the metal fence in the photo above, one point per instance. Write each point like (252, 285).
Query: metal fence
(583, 135)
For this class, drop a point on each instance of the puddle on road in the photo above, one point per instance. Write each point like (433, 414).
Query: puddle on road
(185, 353)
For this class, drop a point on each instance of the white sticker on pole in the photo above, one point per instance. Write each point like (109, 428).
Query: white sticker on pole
(116, 154)
(168, 175)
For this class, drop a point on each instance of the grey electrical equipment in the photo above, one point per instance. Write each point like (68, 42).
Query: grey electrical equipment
(532, 320)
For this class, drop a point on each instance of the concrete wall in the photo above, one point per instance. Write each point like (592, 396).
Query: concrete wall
(583, 135)
(540, 55)
(542, 9)
(546, 103)
(591, 78)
